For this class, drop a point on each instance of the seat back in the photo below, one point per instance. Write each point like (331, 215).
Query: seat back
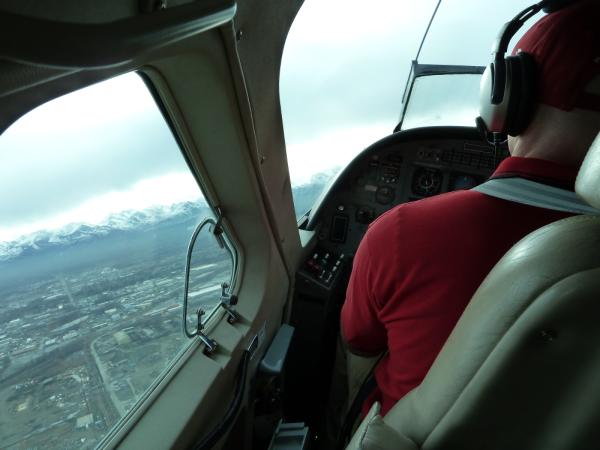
(521, 369)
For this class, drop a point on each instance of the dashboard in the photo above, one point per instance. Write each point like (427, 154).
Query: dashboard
(400, 168)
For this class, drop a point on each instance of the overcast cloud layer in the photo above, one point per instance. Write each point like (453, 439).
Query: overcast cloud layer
(83, 147)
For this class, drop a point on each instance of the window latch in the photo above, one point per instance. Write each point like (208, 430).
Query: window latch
(217, 230)
(227, 301)
(210, 345)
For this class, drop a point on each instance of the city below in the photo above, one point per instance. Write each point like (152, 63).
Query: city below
(79, 347)
(91, 318)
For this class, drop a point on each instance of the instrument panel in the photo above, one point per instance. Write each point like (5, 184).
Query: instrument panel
(404, 167)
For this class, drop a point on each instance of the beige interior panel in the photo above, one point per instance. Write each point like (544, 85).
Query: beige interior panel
(587, 179)
(260, 55)
(539, 386)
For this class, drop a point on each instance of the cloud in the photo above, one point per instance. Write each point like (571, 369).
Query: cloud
(345, 64)
(83, 145)
(328, 150)
(163, 190)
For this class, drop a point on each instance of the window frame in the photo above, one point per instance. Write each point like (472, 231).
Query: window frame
(158, 87)
(120, 429)
(146, 73)
(418, 70)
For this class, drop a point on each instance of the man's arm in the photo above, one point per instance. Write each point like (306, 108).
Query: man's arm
(357, 352)
(362, 331)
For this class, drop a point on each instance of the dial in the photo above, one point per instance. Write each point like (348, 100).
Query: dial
(365, 215)
(464, 181)
(427, 182)
(385, 195)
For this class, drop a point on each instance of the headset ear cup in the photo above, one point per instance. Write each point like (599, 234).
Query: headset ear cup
(485, 96)
(520, 89)
(528, 99)
(512, 94)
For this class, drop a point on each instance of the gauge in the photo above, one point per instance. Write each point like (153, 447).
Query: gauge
(389, 174)
(463, 181)
(427, 182)
(339, 228)
(428, 153)
(385, 195)
(365, 215)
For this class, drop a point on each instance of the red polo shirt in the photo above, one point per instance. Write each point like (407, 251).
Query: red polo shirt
(419, 264)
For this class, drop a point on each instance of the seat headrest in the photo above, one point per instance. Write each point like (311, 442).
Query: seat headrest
(588, 178)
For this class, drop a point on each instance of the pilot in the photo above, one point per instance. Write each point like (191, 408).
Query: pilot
(420, 263)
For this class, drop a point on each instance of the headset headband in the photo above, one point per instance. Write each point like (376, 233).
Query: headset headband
(507, 32)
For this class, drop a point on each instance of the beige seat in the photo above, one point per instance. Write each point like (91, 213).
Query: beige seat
(521, 370)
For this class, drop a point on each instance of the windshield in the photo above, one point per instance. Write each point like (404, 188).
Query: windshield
(344, 72)
(442, 99)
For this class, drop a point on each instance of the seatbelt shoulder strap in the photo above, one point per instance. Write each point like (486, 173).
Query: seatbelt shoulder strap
(532, 193)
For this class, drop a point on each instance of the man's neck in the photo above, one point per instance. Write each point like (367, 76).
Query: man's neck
(555, 136)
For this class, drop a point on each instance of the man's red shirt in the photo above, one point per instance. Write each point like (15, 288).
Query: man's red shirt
(420, 263)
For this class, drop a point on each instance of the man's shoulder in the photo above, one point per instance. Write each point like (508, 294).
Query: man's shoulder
(428, 210)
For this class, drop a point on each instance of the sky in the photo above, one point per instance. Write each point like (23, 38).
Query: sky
(106, 148)
(81, 157)
(342, 80)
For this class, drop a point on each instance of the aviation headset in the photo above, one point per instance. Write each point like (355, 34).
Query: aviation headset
(507, 92)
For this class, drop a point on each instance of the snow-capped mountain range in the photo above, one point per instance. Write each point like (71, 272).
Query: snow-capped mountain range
(122, 221)
(186, 214)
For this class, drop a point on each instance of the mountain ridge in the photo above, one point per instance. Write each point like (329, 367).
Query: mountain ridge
(136, 221)
(73, 233)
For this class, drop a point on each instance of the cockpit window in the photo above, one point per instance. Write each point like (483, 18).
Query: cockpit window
(98, 205)
(342, 78)
(442, 100)
(344, 72)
